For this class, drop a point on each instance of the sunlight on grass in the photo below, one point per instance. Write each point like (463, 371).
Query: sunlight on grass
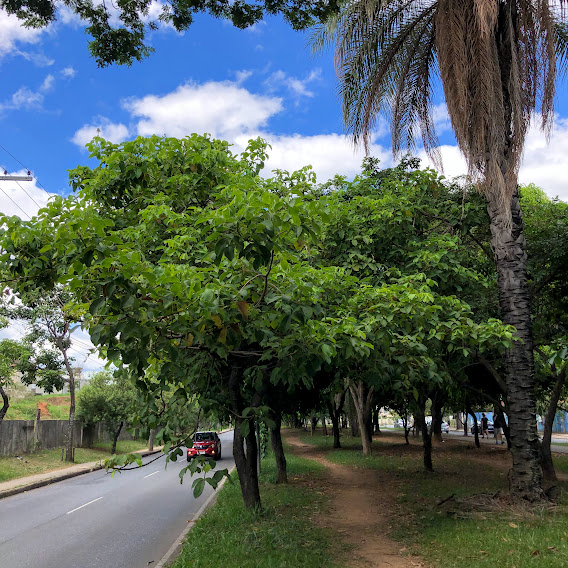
(451, 535)
(282, 535)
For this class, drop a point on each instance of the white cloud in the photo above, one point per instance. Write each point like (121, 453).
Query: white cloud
(101, 127)
(22, 198)
(37, 58)
(47, 84)
(328, 154)
(297, 87)
(13, 33)
(26, 98)
(68, 72)
(223, 109)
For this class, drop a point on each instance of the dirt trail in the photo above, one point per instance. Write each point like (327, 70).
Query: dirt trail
(362, 502)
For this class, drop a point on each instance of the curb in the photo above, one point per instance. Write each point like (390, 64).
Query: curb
(61, 477)
(175, 549)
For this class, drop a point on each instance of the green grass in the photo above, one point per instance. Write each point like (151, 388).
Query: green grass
(453, 535)
(43, 461)
(282, 535)
(25, 408)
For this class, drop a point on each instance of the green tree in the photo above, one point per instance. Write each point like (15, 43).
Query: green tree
(50, 319)
(109, 399)
(497, 62)
(32, 361)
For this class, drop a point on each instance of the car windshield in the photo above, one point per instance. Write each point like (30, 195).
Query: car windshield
(204, 437)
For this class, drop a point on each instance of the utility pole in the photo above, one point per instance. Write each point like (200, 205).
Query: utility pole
(6, 177)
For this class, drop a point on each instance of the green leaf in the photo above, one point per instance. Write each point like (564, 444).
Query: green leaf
(245, 428)
(198, 487)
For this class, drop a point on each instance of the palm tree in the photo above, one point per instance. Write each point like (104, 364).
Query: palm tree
(497, 61)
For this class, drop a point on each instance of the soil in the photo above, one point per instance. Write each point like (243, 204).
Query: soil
(44, 412)
(364, 501)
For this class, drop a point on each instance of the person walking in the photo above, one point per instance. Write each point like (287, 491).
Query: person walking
(484, 426)
(498, 429)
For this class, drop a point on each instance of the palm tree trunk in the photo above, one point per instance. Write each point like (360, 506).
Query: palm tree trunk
(509, 248)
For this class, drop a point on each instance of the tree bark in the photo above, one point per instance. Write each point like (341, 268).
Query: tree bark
(548, 470)
(437, 408)
(508, 245)
(323, 425)
(353, 421)
(5, 404)
(277, 448)
(115, 437)
(426, 437)
(245, 461)
(151, 439)
(69, 454)
(362, 397)
(335, 408)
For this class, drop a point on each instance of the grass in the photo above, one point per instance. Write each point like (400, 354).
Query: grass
(43, 461)
(25, 408)
(282, 535)
(453, 535)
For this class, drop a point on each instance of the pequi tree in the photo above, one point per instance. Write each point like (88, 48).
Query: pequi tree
(190, 269)
(497, 62)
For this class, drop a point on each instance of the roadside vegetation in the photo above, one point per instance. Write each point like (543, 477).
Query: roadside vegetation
(43, 461)
(459, 514)
(282, 535)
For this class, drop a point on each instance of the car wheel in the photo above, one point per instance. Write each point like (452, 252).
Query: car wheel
(188, 459)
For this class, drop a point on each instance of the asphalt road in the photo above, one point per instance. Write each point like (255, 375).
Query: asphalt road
(94, 521)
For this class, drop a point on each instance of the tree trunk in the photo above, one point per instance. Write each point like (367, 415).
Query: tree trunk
(335, 408)
(362, 397)
(420, 420)
(5, 404)
(465, 432)
(69, 457)
(277, 448)
(437, 408)
(151, 439)
(353, 422)
(245, 461)
(509, 248)
(323, 425)
(376, 426)
(475, 427)
(314, 424)
(545, 454)
(115, 438)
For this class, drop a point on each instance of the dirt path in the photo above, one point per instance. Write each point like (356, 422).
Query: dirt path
(361, 501)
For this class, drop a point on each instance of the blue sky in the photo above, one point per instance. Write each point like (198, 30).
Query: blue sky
(234, 84)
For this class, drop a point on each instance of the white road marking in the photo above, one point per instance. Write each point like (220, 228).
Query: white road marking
(93, 501)
(150, 474)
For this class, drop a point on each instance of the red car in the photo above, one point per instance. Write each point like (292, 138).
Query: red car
(205, 444)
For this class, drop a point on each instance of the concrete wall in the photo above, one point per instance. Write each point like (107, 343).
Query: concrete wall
(18, 437)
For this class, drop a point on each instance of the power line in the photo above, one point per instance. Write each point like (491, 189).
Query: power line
(15, 203)
(27, 169)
